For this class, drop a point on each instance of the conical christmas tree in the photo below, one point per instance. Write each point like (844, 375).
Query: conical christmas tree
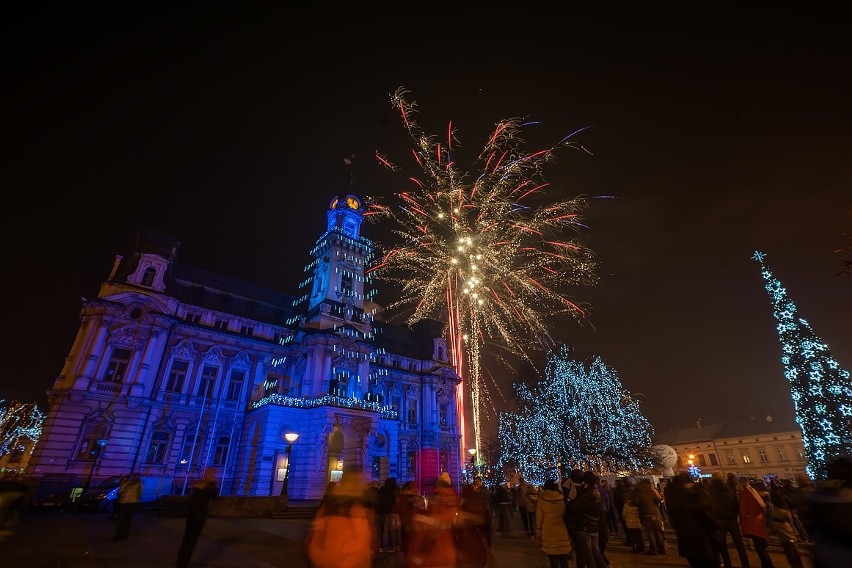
(821, 390)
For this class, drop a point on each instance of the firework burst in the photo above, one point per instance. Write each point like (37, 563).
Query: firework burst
(486, 250)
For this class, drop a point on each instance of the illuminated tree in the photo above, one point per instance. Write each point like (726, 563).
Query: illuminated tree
(821, 390)
(20, 425)
(579, 414)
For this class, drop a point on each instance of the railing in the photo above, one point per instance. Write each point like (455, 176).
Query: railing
(327, 400)
(113, 388)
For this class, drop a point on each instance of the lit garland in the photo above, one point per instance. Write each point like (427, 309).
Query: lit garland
(821, 390)
(579, 415)
(20, 424)
(484, 250)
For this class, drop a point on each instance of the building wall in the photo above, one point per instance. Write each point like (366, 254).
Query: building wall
(154, 320)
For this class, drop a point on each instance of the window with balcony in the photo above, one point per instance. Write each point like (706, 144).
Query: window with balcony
(177, 375)
(190, 449)
(117, 366)
(159, 447)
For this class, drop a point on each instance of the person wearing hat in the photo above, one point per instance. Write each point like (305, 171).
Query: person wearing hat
(433, 542)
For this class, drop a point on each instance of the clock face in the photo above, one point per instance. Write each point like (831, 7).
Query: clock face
(353, 202)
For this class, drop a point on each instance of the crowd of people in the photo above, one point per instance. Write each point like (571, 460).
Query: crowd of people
(571, 520)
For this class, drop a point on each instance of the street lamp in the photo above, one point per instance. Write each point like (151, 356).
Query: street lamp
(472, 467)
(100, 444)
(290, 437)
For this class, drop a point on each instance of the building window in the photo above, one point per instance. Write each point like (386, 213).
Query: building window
(411, 461)
(88, 448)
(396, 404)
(338, 386)
(246, 330)
(713, 460)
(761, 455)
(731, 459)
(117, 366)
(159, 447)
(442, 415)
(148, 276)
(346, 283)
(746, 458)
(221, 324)
(412, 411)
(17, 454)
(800, 453)
(701, 461)
(443, 460)
(193, 317)
(782, 455)
(221, 455)
(270, 385)
(176, 376)
(190, 450)
(207, 384)
(235, 385)
(376, 467)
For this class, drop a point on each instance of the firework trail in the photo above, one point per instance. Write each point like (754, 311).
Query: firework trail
(486, 250)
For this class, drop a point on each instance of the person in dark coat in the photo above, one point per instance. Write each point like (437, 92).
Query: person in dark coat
(586, 511)
(620, 495)
(726, 509)
(390, 535)
(691, 511)
(473, 529)
(197, 511)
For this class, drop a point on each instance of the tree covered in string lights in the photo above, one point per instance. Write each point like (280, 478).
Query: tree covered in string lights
(821, 390)
(20, 426)
(579, 416)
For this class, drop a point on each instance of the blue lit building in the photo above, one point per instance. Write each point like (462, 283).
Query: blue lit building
(176, 369)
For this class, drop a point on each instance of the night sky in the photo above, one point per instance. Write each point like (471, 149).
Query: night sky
(716, 133)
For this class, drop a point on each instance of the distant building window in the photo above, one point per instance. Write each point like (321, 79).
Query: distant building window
(701, 461)
(148, 276)
(746, 458)
(338, 386)
(207, 384)
(193, 317)
(159, 447)
(376, 467)
(346, 283)
(176, 376)
(92, 432)
(235, 385)
(247, 330)
(444, 460)
(190, 449)
(412, 411)
(117, 366)
(442, 415)
(411, 462)
(221, 324)
(396, 404)
(220, 457)
(761, 455)
(800, 454)
(782, 455)
(731, 459)
(713, 460)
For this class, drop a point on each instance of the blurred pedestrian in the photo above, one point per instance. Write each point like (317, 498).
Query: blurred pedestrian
(197, 511)
(551, 534)
(522, 501)
(343, 532)
(473, 529)
(586, 510)
(830, 513)
(781, 528)
(13, 492)
(648, 500)
(129, 497)
(630, 514)
(726, 509)
(433, 543)
(408, 503)
(691, 513)
(390, 534)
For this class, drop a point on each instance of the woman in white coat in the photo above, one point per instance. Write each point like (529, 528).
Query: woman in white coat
(550, 532)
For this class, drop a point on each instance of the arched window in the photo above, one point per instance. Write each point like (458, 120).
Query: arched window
(148, 276)
(92, 439)
(159, 447)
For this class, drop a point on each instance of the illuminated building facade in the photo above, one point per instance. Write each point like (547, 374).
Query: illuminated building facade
(176, 370)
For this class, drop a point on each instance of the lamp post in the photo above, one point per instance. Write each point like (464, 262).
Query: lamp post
(290, 437)
(472, 467)
(100, 444)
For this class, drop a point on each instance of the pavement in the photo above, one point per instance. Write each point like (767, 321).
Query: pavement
(47, 539)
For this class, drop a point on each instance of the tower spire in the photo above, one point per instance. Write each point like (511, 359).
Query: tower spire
(821, 390)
